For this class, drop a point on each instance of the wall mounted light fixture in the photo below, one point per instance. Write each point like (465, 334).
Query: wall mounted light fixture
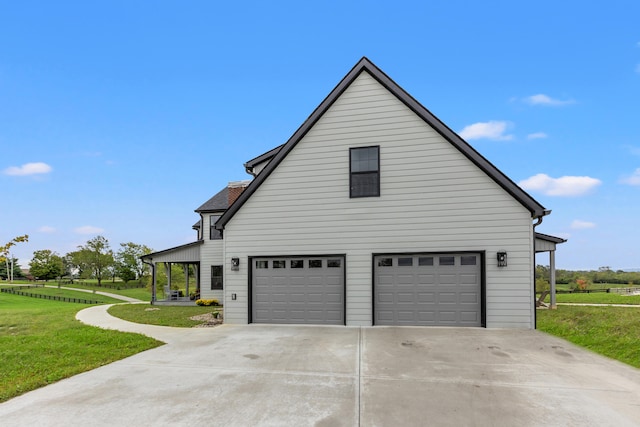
(235, 264)
(502, 259)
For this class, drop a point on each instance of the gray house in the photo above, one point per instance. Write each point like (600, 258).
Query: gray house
(374, 212)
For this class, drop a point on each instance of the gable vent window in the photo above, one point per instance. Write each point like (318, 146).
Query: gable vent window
(364, 171)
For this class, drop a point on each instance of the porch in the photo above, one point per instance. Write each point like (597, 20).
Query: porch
(170, 292)
(546, 243)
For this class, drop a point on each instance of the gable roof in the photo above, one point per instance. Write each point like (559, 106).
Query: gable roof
(536, 209)
(262, 158)
(219, 202)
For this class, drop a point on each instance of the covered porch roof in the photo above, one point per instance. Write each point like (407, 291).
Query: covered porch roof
(189, 253)
(547, 243)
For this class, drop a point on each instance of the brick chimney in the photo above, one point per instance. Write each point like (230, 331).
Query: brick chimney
(235, 190)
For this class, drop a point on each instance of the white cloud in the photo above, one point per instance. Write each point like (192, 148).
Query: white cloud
(633, 179)
(486, 130)
(28, 169)
(537, 135)
(88, 229)
(542, 99)
(46, 229)
(563, 186)
(579, 224)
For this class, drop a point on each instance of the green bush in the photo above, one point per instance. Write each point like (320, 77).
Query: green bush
(207, 302)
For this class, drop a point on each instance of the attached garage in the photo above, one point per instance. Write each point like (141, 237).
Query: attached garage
(429, 289)
(298, 290)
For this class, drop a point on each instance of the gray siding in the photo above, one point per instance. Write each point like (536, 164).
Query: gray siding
(211, 254)
(433, 199)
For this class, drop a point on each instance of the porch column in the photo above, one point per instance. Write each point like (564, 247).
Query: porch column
(196, 270)
(552, 279)
(167, 266)
(186, 278)
(154, 289)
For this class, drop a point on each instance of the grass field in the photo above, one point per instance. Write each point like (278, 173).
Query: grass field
(142, 294)
(597, 298)
(161, 315)
(64, 293)
(41, 343)
(611, 331)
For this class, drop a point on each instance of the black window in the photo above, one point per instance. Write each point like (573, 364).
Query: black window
(427, 260)
(315, 263)
(385, 262)
(216, 277)
(279, 264)
(405, 262)
(213, 233)
(332, 263)
(447, 260)
(468, 260)
(364, 170)
(297, 263)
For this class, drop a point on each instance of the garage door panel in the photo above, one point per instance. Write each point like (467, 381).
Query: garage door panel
(301, 290)
(426, 279)
(426, 297)
(428, 290)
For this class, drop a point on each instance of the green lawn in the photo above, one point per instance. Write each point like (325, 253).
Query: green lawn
(64, 293)
(611, 331)
(142, 294)
(597, 298)
(161, 315)
(41, 343)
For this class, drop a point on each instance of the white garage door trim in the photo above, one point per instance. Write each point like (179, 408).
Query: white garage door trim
(303, 289)
(433, 311)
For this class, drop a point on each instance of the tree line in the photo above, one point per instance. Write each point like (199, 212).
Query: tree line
(95, 259)
(584, 278)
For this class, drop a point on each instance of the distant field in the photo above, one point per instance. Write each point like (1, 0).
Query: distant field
(143, 294)
(64, 293)
(597, 298)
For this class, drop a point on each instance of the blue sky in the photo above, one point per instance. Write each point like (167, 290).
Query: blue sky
(120, 118)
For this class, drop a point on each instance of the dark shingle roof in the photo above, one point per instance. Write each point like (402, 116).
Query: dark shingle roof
(219, 202)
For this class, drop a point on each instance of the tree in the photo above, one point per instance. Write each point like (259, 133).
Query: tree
(129, 266)
(95, 257)
(6, 249)
(17, 271)
(46, 265)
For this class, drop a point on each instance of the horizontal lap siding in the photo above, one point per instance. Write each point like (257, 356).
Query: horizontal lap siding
(212, 254)
(433, 199)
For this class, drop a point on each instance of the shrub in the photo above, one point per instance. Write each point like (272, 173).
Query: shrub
(207, 302)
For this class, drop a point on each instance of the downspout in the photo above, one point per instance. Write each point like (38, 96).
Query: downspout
(535, 312)
(153, 279)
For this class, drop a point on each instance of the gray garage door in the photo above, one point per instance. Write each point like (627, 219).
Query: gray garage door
(428, 290)
(298, 290)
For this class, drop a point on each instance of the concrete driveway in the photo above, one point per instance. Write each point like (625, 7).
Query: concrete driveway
(336, 376)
